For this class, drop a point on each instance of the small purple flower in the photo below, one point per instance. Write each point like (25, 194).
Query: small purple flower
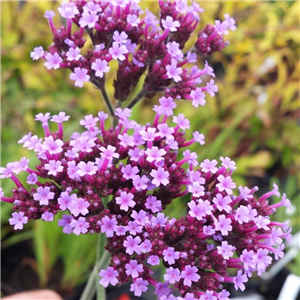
(109, 276)
(68, 10)
(212, 88)
(18, 220)
(133, 20)
(209, 166)
(165, 131)
(32, 179)
(226, 250)
(80, 226)
(153, 260)
(37, 53)
(172, 275)
(189, 274)
(49, 14)
(149, 134)
(138, 286)
(65, 200)
(153, 204)
(86, 168)
(163, 291)
(224, 295)
(174, 50)
(168, 23)
(262, 260)
(125, 200)
(191, 57)
(117, 51)
(170, 255)
(73, 54)
(196, 189)
(228, 163)
(146, 246)
(65, 222)
(225, 184)
(108, 226)
(109, 152)
(247, 258)
(80, 76)
(61, 117)
(230, 22)
(132, 245)
(53, 61)
(21, 165)
(92, 7)
(199, 137)
(54, 167)
(166, 106)
(88, 19)
(239, 280)
(43, 195)
(133, 268)
(223, 225)
(129, 172)
(160, 176)
(53, 146)
(140, 182)
(48, 216)
(120, 38)
(182, 122)
(173, 72)
(155, 154)
(198, 97)
(222, 203)
(78, 206)
(126, 140)
(101, 67)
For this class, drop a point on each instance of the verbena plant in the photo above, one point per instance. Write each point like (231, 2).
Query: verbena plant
(116, 180)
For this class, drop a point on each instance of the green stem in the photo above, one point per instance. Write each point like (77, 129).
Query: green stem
(101, 250)
(102, 261)
(105, 97)
(139, 96)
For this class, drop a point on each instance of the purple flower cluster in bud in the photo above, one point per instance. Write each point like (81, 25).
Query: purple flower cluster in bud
(118, 180)
(147, 45)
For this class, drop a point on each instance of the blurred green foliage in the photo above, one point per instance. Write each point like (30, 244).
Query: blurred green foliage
(253, 119)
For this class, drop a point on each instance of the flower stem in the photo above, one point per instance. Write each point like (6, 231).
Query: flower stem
(106, 99)
(102, 261)
(139, 96)
(93, 282)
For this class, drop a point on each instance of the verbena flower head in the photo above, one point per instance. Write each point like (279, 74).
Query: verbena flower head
(225, 227)
(140, 43)
(118, 180)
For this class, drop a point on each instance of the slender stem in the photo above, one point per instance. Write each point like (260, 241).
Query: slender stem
(90, 288)
(100, 254)
(107, 101)
(139, 96)
(102, 261)
(101, 87)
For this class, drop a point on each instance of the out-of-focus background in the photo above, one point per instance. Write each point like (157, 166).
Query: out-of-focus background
(254, 119)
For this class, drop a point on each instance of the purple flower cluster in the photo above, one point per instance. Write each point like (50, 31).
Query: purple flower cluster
(118, 180)
(140, 45)
(140, 170)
